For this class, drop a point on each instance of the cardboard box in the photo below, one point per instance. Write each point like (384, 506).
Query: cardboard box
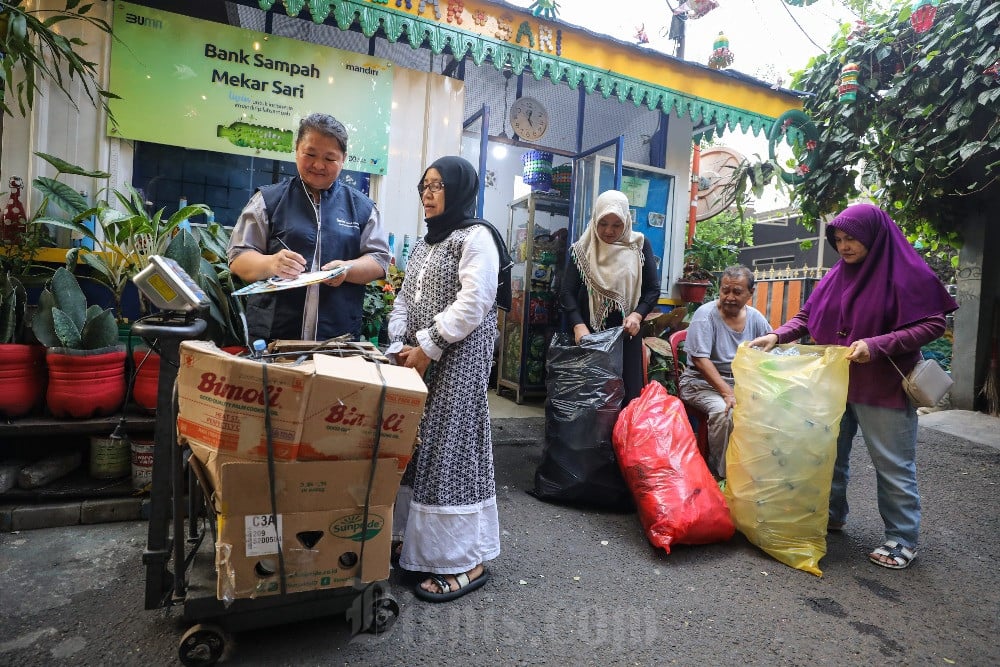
(320, 509)
(342, 410)
(221, 406)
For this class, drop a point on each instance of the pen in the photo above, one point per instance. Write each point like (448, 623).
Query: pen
(285, 245)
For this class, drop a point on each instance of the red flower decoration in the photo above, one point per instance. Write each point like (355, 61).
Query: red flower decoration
(811, 145)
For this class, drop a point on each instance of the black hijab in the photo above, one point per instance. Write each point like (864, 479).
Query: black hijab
(461, 191)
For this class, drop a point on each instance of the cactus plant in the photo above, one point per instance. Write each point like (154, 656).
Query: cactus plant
(13, 306)
(64, 320)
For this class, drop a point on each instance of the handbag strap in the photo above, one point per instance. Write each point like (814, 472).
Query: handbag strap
(896, 367)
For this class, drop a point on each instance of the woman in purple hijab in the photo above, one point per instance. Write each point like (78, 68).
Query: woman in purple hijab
(884, 303)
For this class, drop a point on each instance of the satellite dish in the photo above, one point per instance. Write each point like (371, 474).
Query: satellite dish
(718, 169)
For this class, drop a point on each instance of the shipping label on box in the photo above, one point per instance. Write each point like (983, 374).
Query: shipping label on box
(260, 536)
(221, 403)
(343, 409)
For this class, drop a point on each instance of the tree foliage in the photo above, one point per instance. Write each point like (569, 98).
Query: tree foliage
(922, 139)
(35, 42)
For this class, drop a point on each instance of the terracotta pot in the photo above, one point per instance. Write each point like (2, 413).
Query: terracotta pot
(693, 292)
(22, 378)
(146, 383)
(85, 383)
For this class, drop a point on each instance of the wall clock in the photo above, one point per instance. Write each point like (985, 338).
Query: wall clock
(529, 118)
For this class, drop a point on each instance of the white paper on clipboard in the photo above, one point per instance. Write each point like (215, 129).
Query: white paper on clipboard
(303, 279)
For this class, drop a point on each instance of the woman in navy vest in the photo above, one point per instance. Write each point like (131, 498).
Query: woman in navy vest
(310, 222)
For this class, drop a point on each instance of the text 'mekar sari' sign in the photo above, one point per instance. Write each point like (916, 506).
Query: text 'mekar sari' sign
(209, 86)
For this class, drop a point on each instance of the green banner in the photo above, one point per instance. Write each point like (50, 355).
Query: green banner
(204, 85)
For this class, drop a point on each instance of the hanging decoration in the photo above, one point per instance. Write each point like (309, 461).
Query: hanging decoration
(548, 9)
(695, 9)
(922, 16)
(721, 55)
(14, 221)
(796, 129)
(859, 30)
(537, 170)
(640, 35)
(799, 3)
(848, 83)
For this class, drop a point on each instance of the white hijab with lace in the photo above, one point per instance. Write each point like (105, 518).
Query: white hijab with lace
(612, 272)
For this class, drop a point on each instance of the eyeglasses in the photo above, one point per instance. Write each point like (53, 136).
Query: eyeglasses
(433, 187)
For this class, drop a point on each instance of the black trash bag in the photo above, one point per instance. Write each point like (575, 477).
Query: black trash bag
(585, 395)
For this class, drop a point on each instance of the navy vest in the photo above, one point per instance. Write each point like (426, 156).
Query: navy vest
(344, 212)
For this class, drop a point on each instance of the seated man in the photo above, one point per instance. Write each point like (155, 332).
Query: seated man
(716, 330)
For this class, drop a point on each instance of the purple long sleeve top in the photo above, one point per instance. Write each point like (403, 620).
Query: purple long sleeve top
(876, 382)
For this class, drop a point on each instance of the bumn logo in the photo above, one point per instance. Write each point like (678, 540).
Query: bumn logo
(137, 19)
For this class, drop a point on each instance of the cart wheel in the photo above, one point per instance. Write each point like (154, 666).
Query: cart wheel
(202, 644)
(385, 611)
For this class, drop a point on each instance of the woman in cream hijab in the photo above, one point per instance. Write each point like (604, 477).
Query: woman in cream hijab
(612, 281)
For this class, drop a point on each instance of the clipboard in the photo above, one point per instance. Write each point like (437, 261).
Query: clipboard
(276, 284)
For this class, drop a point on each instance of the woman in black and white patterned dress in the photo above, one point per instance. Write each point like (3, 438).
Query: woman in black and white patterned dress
(444, 324)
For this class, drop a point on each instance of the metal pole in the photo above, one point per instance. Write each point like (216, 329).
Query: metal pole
(693, 215)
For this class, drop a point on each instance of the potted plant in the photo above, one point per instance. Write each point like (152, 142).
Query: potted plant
(22, 364)
(225, 326)
(86, 375)
(377, 304)
(18, 256)
(694, 281)
(123, 239)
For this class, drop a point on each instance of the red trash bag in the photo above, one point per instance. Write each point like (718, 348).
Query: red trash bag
(677, 497)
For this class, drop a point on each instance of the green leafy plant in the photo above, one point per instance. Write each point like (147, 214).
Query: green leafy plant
(661, 369)
(203, 256)
(35, 41)
(13, 309)
(703, 258)
(128, 236)
(378, 300)
(64, 320)
(922, 137)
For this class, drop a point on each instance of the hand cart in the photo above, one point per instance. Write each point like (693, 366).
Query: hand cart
(180, 567)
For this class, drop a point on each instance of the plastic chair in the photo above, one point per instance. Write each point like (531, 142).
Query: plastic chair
(698, 419)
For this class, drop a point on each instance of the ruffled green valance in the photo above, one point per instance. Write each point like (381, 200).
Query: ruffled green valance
(399, 26)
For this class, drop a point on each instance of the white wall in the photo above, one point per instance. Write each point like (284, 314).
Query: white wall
(426, 123)
(678, 164)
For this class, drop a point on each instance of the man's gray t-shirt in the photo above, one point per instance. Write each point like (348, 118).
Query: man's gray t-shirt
(708, 336)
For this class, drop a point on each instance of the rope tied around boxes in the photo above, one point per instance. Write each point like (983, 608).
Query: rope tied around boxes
(359, 578)
(271, 474)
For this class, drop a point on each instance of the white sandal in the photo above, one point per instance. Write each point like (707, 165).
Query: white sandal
(901, 556)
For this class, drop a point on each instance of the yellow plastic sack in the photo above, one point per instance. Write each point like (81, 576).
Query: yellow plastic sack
(779, 463)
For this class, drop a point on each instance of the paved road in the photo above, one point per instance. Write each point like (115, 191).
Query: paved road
(577, 587)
